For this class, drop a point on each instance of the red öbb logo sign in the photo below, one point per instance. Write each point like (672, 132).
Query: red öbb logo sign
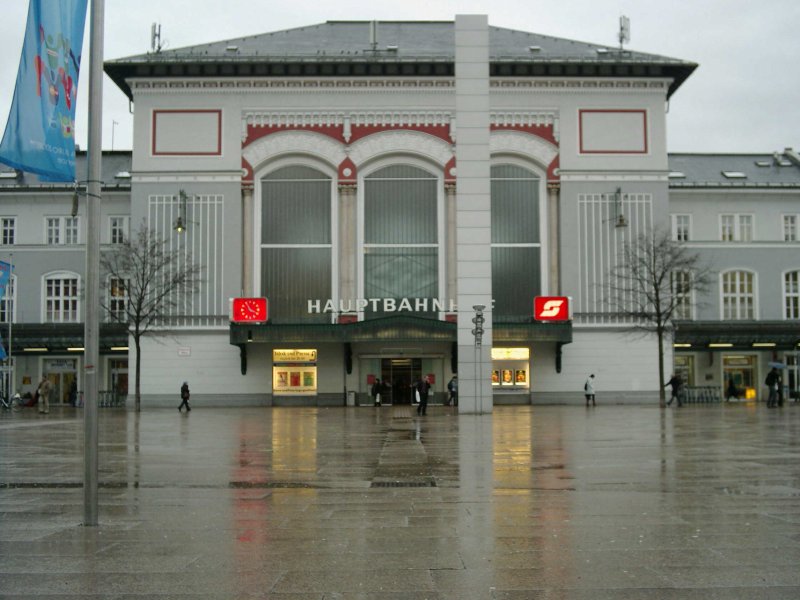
(551, 308)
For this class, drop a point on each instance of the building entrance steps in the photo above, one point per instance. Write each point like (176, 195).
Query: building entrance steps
(353, 503)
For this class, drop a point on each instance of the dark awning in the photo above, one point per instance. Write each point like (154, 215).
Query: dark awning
(742, 335)
(403, 328)
(57, 337)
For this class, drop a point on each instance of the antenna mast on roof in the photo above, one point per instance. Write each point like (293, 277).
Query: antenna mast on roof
(155, 37)
(624, 31)
(373, 35)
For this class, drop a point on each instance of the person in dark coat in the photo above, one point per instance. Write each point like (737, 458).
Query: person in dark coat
(732, 391)
(376, 390)
(423, 387)
(675, 382)
(185, 397)
(772, 382)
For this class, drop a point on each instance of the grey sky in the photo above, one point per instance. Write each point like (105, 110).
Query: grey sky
(744, 97)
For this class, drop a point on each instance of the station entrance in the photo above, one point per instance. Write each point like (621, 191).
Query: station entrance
(398, 376)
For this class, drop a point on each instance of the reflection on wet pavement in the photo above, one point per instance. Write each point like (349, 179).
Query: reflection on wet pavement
(554, 502)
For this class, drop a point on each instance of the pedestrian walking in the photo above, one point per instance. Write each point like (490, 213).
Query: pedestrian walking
(44, 389)
(675, 382)
(423, 387)
(376, 390)
(452, 388)
(185, 397)
(772, 382)
(732, 391)
(588, 390)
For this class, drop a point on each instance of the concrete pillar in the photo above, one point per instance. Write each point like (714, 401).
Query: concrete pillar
(473, 211)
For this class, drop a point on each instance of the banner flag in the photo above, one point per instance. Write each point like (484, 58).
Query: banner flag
(40, 133)
(3, 354)
(5, 275)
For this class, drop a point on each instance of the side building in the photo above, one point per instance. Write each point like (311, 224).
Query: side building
(741, 214)
(43, 237)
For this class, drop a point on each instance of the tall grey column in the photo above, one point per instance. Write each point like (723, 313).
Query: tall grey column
(473, 212)
(248, 248)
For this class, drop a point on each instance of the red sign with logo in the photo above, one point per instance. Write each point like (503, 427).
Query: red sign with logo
(249, 310)
(551, 308)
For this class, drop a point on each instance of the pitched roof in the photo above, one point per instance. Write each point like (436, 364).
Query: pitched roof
(777, 170)
(413, 48)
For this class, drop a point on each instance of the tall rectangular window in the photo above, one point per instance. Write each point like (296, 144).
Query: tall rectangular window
(791, 295)
(682, 294)
(736, 228)
(118, 229)
(738, 296)
(790, 228)
(61, 299)
(401, 237)
(296, 242)
(681, 225)
(7, 301)
(118, 298)
(8, 226)
(516, 242)
(61, 230)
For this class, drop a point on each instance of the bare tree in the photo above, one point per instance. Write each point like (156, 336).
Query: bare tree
(656, 280)
(148, 281)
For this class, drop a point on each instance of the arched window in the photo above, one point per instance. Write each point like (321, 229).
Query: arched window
(791, 295)
(61, 298)
(401, 236)
(738, 295)
(296, 242)
(516, 243)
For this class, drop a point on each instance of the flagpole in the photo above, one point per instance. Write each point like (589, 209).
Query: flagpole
(91, 333)
(11, 308)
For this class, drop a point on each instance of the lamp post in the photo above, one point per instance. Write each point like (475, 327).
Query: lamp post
(477, 331)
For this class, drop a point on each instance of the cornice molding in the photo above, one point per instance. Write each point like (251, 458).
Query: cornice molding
(398, 85)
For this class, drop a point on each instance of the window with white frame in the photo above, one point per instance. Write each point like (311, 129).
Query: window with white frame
(682, 294)
(119, 227)
(791, 295)
(117, 298)
(681, 228)
(61, 230)
(61, 298)
(790, 228)
(738, 295)
(7, 301)
(736, 228)
(8, 230)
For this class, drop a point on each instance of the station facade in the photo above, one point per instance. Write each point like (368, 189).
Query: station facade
(353, 190)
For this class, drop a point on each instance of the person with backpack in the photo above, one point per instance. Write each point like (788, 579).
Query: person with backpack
(376, 390)
(185, 397)
(452, 388)
(588, 390)
(676, 383)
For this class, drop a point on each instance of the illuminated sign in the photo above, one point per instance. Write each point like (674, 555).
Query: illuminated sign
(294, 355)
(551, 308)
(511, 353)
(249, 310)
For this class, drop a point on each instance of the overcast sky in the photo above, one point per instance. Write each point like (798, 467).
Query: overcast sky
(744, 97)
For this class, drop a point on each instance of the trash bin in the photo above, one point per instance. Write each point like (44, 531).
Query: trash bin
(351, 398)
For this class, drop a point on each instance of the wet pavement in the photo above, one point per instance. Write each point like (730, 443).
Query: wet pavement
(551, 502)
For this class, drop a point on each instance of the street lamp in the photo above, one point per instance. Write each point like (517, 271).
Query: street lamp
(478, 321)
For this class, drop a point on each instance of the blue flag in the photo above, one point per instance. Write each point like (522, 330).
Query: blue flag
(40, 133)
(3, 354)
(5, 275)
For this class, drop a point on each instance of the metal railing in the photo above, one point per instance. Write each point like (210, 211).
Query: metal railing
(700, 394)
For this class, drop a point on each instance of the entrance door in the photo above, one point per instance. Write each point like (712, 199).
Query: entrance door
(742, 370)
(399, 376)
